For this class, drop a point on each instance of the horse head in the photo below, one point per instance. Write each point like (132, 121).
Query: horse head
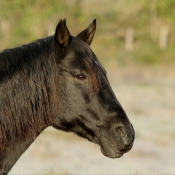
(87, 104)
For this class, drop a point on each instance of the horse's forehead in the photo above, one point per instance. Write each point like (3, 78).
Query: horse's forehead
(80, 47)
(81, 54)
(97, 63)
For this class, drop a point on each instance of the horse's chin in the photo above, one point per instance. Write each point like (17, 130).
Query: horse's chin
(109, 152)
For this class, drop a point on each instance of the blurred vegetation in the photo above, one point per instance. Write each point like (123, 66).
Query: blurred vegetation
(23, 21)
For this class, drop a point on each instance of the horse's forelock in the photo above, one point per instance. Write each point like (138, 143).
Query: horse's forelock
(87, 59)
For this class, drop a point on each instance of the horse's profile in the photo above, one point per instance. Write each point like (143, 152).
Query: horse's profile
(58, 81)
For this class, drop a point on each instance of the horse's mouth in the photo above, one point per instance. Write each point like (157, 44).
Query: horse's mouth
(111, 153)
(108, 150)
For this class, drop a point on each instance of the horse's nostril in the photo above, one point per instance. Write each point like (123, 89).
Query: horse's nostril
(121, 132)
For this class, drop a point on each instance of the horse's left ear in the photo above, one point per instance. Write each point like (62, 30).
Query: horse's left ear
(87, 35)
(62, 35)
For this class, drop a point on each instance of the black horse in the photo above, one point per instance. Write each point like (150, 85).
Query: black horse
(58, 81)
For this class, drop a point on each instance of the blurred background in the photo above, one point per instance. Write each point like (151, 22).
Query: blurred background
(135, 42)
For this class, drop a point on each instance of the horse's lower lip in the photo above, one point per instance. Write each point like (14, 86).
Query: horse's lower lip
(111, 153)
(108, 150)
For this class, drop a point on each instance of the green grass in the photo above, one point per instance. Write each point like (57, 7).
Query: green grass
(24, 21)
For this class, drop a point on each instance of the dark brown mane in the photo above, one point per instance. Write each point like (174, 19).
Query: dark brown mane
(21, 109)
(13, 60)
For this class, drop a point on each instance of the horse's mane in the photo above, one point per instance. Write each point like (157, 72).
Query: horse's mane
(12, 60)
(21, 98)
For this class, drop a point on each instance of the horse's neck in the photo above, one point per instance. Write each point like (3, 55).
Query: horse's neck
(24, 117)
(10, 156)
(26, 110)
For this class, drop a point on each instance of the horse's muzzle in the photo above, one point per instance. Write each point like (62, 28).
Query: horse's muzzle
(116, 142)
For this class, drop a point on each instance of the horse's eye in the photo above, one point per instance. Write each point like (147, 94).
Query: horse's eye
(81, 77)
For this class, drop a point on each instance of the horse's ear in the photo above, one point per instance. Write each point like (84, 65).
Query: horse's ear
(87, 35)
(62, 35)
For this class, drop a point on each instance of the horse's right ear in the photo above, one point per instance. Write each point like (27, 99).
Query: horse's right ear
(62, 35)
